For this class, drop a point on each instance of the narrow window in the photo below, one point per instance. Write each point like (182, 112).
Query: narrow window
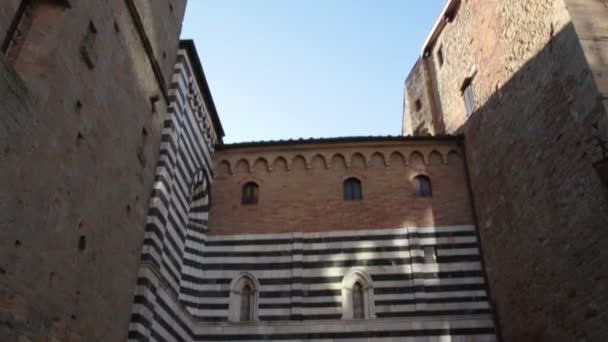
(246, 299)
(440, 55)
(243, 306)
(352, 190)
(469, 99)
(430, 254)
(358, 304)
(250, 194)
(422, 186)
(418, 105)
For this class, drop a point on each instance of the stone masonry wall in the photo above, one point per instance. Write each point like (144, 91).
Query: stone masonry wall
(301, 187)
(541, 206)
(7, 12)
(80, 125)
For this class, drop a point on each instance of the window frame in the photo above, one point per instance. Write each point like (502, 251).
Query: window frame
(353, 277)
(419, 182)
(250, 193)
(240, 282)
(352, 189)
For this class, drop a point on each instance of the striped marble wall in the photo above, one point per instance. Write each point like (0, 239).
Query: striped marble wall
(301, 274)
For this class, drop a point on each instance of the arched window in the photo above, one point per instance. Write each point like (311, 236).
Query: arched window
(352, 190)
(422, 186)
(358, 305)
(243, 299)
(250, 193)
(357, 295)
(245, 314)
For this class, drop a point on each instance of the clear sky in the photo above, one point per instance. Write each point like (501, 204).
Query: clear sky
(281, 69)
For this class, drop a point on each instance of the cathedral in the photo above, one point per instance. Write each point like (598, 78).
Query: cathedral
(125, 217)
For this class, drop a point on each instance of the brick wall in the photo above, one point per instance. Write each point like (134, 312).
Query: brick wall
(542, 208)
(79, 140)
(301, 187)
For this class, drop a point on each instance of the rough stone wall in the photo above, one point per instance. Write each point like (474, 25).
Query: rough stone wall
(542, 208)
(417, 120)
(301, 187)
(7, 12)
(589, 20)
(79, 139)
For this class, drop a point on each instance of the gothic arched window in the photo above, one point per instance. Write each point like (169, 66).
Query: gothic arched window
(422, 186)
(357, 295)
(250, 193)
(352, 189)
(243, 299)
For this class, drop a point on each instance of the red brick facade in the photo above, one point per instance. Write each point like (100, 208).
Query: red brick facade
(301, 186)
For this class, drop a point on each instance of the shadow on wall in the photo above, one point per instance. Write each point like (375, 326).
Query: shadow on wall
(542, 208)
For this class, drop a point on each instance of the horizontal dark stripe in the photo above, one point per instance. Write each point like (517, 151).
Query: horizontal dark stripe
(137, 336)
(300, 317)
(338, 279)
(431, 288)
(420, 313)
(443, 300)
(329, 239)
(326, 264)
(329, 251)
(211, 318)
(140, 319)
(300, 305)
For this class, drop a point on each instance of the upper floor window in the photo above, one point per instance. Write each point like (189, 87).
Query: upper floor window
(469, 99)
(418, 105)
(422, 186)
(352, 190)
(440, 55)
(250, 193)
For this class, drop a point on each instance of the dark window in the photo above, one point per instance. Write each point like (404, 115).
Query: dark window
(422, 186)
(469, 99)
(440, 55)
(250, 193)
(358, 304)
(246, 299)
(352, 190)
(418, 105)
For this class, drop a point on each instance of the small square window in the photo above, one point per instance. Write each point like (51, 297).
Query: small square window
(440, 55)
(418, 105)
(430, 254)
(469, 99)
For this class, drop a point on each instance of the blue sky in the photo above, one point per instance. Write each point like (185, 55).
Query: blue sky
(282, 69)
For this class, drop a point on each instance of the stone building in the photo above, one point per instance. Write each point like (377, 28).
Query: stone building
(124, 216)
(525, 82)
(83, 99)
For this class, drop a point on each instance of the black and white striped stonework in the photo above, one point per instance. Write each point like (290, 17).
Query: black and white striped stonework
(183, 287)
(301, 274)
